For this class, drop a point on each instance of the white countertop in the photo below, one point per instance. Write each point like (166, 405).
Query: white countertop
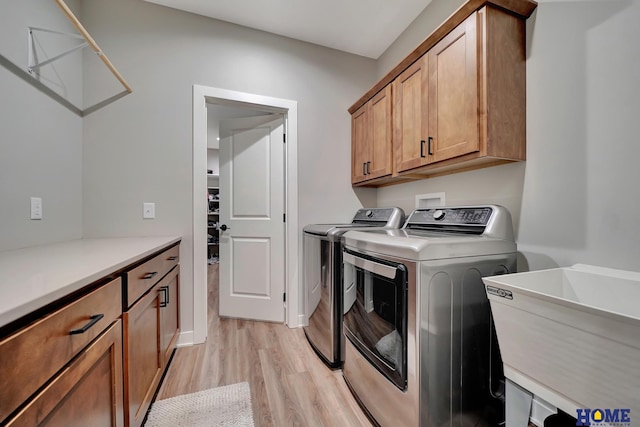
(33, 277)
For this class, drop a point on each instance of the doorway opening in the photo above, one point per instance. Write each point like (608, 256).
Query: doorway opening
(224, 102)
(217, 115)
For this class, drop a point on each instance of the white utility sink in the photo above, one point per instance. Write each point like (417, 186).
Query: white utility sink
(571, 335)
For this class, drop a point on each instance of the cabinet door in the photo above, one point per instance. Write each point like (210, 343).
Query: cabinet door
(380, 136)
(453, 93)
(88, 392)
(359, 144)
(410, 116)
(169, 313)
(143, 355)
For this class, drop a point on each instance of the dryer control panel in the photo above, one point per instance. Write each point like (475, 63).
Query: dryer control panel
(463, 216)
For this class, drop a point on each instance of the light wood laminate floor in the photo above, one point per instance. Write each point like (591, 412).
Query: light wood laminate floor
(289, 384)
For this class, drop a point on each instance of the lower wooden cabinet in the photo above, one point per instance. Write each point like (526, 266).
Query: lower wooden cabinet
(87, 392)
(142, 355)
(34, 354)
(169, 314)
(93, 358)
(150, 334)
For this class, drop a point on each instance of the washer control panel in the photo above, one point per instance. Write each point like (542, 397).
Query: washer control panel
(374, 214)
(451, 216)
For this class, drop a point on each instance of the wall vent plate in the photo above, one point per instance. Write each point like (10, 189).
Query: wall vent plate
(430, 200)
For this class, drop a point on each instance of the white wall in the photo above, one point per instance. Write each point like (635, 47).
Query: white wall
(139, 148)
(431, 17)
(40, 140)
(213, 160)
(216, 112)
(576, 198)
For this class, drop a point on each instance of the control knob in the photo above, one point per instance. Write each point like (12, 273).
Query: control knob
(438, 215)
(369, 213)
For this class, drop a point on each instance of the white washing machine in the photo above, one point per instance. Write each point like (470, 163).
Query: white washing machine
(420, 348)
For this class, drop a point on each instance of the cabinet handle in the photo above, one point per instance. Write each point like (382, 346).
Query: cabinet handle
(429, 147)
(364, 168)
(172, 258)
(368, 168)
(165, 291)
(149, 275)
(92, 321)
(422, 148)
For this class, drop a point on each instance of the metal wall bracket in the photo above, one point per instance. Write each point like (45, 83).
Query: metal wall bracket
(30, 74)
(33, 63)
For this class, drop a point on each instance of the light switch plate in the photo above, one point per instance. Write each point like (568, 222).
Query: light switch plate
(149, 210)
(36, 208)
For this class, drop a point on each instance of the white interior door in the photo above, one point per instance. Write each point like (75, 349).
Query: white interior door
(252, 256)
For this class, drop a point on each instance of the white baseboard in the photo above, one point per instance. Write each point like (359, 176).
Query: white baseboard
(301, 321)
(185, 339)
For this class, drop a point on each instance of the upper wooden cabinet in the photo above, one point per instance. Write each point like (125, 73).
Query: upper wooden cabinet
(453, 94)
(371, 139)
(436, 102)
(411, 116)
(458, 100)
(359, 144)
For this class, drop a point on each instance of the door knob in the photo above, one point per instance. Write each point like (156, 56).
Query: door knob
(224, 227)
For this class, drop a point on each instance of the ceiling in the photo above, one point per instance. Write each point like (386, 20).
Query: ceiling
(361, 27)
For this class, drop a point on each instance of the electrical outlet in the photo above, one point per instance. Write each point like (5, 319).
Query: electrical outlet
(149, 210)
(36, 208)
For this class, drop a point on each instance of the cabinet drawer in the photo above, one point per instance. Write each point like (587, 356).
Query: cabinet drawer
(170, 258)
(30, 357)
(144, 276)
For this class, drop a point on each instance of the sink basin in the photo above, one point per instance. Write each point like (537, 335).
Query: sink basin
(571, 335)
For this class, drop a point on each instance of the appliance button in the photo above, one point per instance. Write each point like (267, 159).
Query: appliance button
(438, 215)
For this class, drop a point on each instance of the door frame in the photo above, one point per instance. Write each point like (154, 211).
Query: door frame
(201, 96)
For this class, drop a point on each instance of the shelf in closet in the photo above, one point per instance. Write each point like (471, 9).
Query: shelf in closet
(212, 230)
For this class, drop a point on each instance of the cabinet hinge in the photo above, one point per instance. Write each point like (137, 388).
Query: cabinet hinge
(284, 217)
(284, 138)
(284, 297)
